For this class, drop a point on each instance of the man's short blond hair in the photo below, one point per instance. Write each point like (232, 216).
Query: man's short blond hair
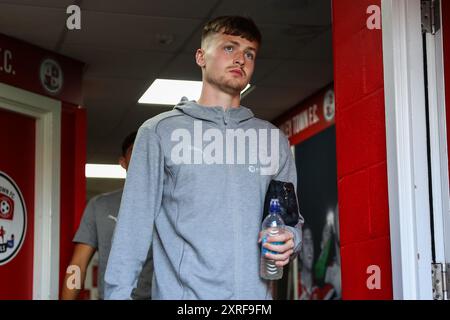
(232, 25)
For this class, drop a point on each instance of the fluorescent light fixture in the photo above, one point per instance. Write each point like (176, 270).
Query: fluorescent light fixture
(109, 171)
(166, 91)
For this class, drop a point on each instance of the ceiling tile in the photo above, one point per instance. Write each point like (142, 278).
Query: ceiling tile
(111, 89)
(132, 32)
(312, 12)
(132, 64)
(39, 3)
(37, 25)
(195, 9)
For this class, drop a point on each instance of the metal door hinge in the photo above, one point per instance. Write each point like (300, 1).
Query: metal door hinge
(441, 280)
(431, 16)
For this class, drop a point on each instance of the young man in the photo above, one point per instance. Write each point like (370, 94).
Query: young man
(95, 233)
(197, 182)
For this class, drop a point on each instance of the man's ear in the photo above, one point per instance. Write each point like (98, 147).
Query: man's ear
(123, 162)
(200, 57)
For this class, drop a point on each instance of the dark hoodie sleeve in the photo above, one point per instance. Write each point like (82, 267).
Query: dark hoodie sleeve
(141, 201)
(288, 173)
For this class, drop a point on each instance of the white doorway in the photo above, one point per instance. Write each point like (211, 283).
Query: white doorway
(47, 113)
(416, 147)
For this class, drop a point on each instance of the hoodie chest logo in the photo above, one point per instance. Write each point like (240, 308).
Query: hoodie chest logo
(252, 147)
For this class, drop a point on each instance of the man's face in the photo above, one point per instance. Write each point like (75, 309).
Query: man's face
(125, 160)
(227, 61)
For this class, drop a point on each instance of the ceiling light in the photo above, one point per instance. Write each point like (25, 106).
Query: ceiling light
(165, 91)
(109, 171)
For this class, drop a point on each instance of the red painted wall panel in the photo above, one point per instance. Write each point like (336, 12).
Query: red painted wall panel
(357, 260)
(358, 60)
(353, 199)
(18, 162)
(378, 201)
(349, 17)
(73, 182)
(361, 150)
(361, 132)
(80, 161)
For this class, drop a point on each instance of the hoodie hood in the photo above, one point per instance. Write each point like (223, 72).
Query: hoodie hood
(214, 114)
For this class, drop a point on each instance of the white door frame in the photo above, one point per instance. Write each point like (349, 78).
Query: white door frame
(438, 139)
(406, 143)
(47, 113)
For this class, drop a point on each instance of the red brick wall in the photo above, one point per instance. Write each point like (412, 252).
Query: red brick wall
(361, 150)
(73, 181)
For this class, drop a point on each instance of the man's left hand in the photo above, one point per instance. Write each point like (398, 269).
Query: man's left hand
(284, 250)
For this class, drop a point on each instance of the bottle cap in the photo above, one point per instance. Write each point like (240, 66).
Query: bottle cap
(275, 206)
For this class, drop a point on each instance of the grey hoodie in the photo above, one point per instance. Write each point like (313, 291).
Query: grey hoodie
(199, 207)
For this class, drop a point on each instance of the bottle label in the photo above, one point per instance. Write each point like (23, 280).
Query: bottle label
(265, 250)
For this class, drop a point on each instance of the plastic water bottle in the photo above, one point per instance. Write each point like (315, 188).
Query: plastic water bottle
(271, 226)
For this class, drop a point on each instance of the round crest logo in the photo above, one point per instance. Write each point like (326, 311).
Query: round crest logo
(51, 76)
(328, 105)
(13, 219)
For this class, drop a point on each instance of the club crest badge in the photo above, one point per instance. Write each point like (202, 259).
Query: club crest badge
(329, 106)
(51, 76)
(13, 219)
